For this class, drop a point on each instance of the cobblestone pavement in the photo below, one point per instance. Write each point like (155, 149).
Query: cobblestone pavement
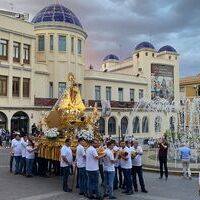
(15, 187)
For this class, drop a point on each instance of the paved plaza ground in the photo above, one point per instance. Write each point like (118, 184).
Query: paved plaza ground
(20, 188)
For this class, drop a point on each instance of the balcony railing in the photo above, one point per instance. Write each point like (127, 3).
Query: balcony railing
(50, 102)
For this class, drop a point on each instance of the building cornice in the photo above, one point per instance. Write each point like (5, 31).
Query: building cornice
(120, 68)
(114, 80)
(17, 33)
(42, 72)
(60, 26)
(4, 66)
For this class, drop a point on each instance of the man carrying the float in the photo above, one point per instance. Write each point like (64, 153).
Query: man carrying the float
(65, 163)
(109, 170)
(126, 166)
(92, 169)
(81, 164)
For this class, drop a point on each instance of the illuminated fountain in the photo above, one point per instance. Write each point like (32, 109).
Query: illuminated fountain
(184, 126)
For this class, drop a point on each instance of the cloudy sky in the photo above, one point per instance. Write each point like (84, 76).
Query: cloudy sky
(117, 26)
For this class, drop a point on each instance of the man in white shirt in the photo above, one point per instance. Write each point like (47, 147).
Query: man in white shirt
(81, 165)
(65, 163)
(109, 170)
(24, 143)
(137, 167)
(92, 169)
(126, 166)
(17, 152)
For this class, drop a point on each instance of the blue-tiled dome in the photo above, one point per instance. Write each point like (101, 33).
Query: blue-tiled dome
(145, 45)
(111, 57)
(167, 48)
(56, 13)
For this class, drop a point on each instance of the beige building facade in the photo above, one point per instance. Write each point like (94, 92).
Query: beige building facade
(35, 58)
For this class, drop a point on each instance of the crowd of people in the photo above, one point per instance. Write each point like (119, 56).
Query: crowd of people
(119, 166)
(5, 138)
(118, 171)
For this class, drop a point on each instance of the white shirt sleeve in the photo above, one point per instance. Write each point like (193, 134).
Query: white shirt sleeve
(94, 153)
(139, 149)
(23, 143)
(111, 156)
(83, 151)
(13, 143)
(63, 152)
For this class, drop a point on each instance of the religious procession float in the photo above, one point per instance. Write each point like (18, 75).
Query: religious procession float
(68, 119)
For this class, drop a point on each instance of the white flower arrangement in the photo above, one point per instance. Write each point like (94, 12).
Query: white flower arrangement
(51, 133)
(86, 135)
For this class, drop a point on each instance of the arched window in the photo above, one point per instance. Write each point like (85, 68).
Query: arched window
(172, 123)
(124, 125)
(145, 125)
(157, 124)
(102, 126)
(20, 122)
(111, 126)
(3, 121)
(136, 124)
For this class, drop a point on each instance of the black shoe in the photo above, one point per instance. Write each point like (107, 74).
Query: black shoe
(16, 173)
(112, 197)
(136, 190)
(81, 193)
(105, 195)
(129, 193)
(124, 192)
(69, 190)
(144, 191)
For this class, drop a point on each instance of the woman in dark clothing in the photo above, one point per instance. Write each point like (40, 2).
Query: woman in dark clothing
(162, 155)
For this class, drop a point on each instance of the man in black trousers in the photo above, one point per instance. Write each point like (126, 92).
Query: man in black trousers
(137, 166)
(162, 154)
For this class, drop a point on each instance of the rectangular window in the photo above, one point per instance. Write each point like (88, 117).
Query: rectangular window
(26, 49)
(26, 87)
(3, 85)
(79, 46)
(41, 43)
(50, 89)
(16, 52)
(72, 44)
(97, 93)
(16, 86)
(3, 49)
(62, 43)
(132, 94)
(61, 88)
(120, 94)
(141, 93)
(108, 93)
(51, 42)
